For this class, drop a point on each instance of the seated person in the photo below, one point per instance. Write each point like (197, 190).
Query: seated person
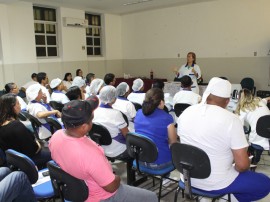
(78, 81)
(15, 186)
(113, 120)
(210, 127)
(43, 80)
(96, 171)
(57, 94)
(153, 122)
(14, 135)
(93, 101)
(167, 98)
(250, 109)
(39, 108)
(137, 96)
(186, 95)
(109, 79)
(67, 81)
(88, 79)
(13, 88)
(74, 93)
(29, 83)
(95, 86)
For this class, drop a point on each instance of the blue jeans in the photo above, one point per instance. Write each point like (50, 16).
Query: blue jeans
(248, 186)
(15, 186)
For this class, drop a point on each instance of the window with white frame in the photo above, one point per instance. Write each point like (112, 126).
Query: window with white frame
(45, 31)
(93, 35)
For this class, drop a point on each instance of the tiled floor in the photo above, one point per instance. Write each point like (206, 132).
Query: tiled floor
(263, 167)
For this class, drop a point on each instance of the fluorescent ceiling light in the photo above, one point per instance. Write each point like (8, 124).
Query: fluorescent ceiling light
(136, 2)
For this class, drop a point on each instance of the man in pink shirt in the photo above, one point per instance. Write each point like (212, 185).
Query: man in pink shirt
(79, 156)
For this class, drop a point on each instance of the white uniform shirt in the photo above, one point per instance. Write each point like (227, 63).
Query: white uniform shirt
(216, 131)
(185, 70)
(33, 109)
(22, 102)
(186, 96)
(126, 107)
(67, 83)
(251, 117)
(136, 97)
(59, 97)
(113, 120)
(46, 92)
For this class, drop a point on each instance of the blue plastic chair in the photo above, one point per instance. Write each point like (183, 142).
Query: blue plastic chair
(19, 161)
(192, 162)
(143, 149)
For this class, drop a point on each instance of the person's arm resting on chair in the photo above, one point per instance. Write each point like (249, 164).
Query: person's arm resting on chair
(241, 159)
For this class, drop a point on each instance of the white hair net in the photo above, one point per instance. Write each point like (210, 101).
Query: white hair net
(137, 84)
(95, 85)
(78, 81)
(122, 88)
(107, 94)
(32, 92)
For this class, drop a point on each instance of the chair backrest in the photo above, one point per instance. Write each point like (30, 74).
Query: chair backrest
(126, 118)
(179, 108)
(141, 148)
(166, 109)
(137, 106)
(56, 105)
(100, 134)
(70, 188)
(54, 124)
(19, 161)
(34, 122)
(22, 117)
(263, 126)
(248, 83)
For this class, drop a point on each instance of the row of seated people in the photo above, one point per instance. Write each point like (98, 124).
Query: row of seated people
(153, 104)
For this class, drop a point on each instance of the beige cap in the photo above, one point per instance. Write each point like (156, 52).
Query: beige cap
(32, 92)
(55, 82)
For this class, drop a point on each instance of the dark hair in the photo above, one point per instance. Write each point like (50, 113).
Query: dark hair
(9, 87)
(186, 81)
(41, 76)
(89, 77)
(7, 103)
(193, 56)
(74, 93)
(152, 100)
(108, 78)
(224, 78)
(66, 75)
(77, 72)
(33, 75)
(158, 84)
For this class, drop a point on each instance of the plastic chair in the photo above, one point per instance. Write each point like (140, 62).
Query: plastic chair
(143, 149)
(68, 187)
(19, 161)
(179, 108)
(22, 117)
(192, 162)
(54, 124)
(126, 118)
(36, 124)
(248, 83)
(56, 105)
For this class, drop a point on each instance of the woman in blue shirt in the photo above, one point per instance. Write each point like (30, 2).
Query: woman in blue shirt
(153, 122)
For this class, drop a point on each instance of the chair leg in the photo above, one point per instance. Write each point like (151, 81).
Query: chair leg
(229, 197)
(160, 187)
(176, 194)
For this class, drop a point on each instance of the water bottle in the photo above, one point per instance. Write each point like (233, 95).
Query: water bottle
(151, 74)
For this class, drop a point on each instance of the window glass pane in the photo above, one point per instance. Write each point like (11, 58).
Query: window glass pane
(39, 28)
(40, 40)
(37, 14)
(89, 50)
(89, 41)
(96, 31)
(52, 51)
(41, 51)
(89, 31)
(97, 41)
(97, 51)
(51, 40)
(50, 29)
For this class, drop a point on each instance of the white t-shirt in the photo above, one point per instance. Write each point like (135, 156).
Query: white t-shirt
(251, 117)
(46, 92)
(186, 96)
(22, 102)
(216, 131)
(113, 120)
(136, 97)
(126, 107)
(33, 109)
(59, 97)
(67, 83)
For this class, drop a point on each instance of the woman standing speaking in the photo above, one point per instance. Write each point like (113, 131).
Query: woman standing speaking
(191, 69)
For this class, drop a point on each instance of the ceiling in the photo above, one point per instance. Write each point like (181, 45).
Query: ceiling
(112, 6)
